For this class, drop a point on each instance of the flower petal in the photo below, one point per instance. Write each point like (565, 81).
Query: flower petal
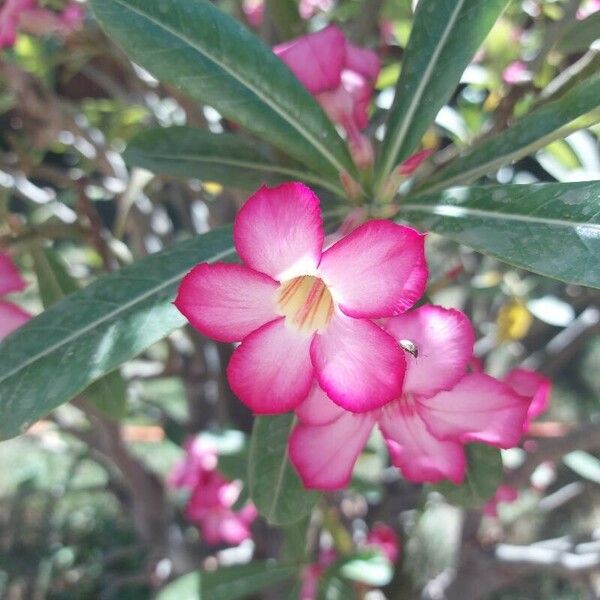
(358, 365)
(271, 371)
(11, 318)
(324, 455)
(10, 278)
(279, 231)
(376, 271)
(227, 302)
(318, 409)
(444, 342)
(419, 455)
(478, 408)
(532, 385)
(362, 61)
(316, 59)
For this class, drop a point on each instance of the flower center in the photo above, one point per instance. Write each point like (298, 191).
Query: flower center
(306, 303)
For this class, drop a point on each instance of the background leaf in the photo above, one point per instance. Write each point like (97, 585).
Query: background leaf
(445, 36)
(550, 122)
(528, 226)
(228, 583)
(225, 158)
(94, 330)
(210, 56)
(484, 475)
(275, 488)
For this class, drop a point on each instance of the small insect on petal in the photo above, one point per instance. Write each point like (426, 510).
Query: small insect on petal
(410, 347)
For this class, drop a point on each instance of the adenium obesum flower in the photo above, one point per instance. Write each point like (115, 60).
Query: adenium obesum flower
(304, 313)
(341, 77)
(384, 538)
(11, 315)
(28, 16)
(212, 496)
(441, 408)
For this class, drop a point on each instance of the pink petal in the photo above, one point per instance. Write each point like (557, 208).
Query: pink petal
(385, 539)
(279, 231)
(376, 271)
(532, 385)
(419, 455)
(271, 371)
(11, 318)
(318, 409)
(316, 59)
(324, 455)
(357, 364)
(412, 163)
(254, 12)
(362, 61)
(227, 302)
(10, 278)
(233, 530)
(444, 341)
(479, 408)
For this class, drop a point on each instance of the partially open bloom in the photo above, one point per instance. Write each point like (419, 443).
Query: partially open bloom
(302, 312)
(440, 409)
(341, 77)
(384, 538)
(212, 496)
(534, 386)
(11, 315)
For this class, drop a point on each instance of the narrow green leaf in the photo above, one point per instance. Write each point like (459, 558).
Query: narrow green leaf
(484, 475)
(213, 58)
(225, 158)
(580, 36)
(275, 488)
(578, 108)
(551, 228)
(228, 583)
(108, 394)
(94, 330)
(445, 36)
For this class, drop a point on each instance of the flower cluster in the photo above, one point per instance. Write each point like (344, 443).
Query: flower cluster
(325, 330)
(11, 315)
(210, 505)
(28, 16)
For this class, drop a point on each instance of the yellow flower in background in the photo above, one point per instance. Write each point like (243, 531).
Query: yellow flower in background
(513, 321)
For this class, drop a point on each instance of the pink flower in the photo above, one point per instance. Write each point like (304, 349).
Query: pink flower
(72, 16)
(440, 409)
(533, 386)
(313, 572)
(341, 77)
(302, 312)
(213, 496)
(384, 538)
(11, 316)
(254, 11)
(504, 494)
(516, 72)
(10, 15)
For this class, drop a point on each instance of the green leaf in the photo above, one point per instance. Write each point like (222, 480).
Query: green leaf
(484, 475)
(445, 36)
(228, 583)
(108, 394)
(213, 58)
(552, 121)
(91, 332)
(369, 567)
(551, 228)
(584, 464)
(275, 488)
(226, 158)
(581, 34)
